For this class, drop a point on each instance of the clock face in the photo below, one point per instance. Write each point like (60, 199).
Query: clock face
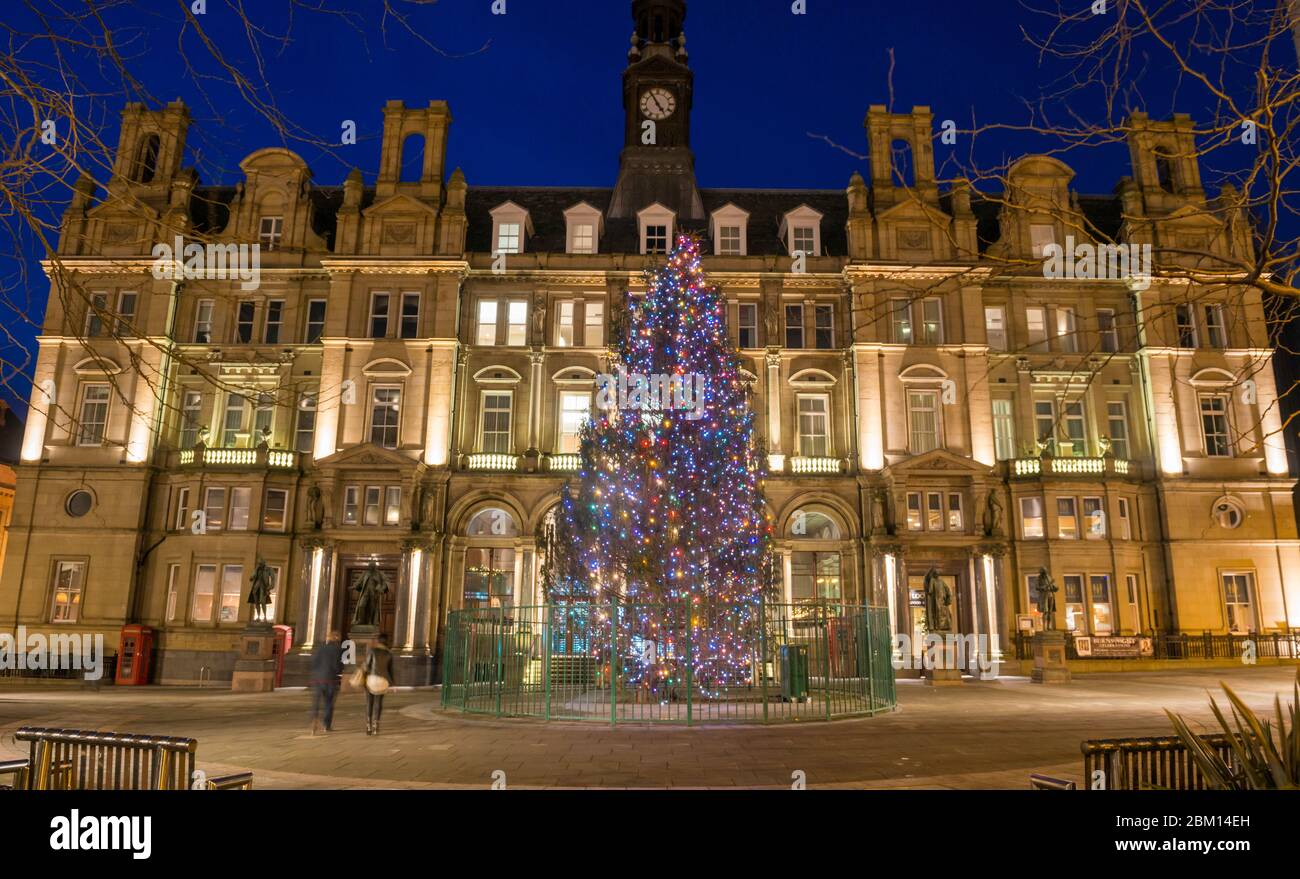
(658, 103)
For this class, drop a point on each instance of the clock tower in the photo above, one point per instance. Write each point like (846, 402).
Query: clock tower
(657, 164)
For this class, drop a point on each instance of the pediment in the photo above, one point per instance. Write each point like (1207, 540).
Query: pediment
(398, 204)
(367, 457)
(940, 460)
(115, 206)
(911, 209)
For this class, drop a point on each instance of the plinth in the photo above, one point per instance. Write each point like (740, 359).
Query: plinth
(255, 667)
(1049, 658)
(941, 668)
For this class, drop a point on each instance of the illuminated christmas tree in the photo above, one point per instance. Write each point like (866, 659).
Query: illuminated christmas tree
(667, 525)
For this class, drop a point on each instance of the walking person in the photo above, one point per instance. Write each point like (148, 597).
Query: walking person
(326, 676)
(379, 677)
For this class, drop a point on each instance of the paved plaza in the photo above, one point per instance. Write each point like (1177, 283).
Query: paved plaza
(983, 735)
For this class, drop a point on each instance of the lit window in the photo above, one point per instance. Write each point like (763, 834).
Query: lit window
(934, 511)
(594, 328)
(232, 587)
(274, 509)
(1004, 429)
(804, 240)
(915, 521)
(203, 321)
(1094, 519)
(1102, 613)
(371, 512)
(1066, 332)
(385, 411)
(1036, 325)
(1067, 519)
(214, 508)
(305, 429)
(1237, 592)
(1117, 426)
(1072, 586)
(508, 235)
(956, 522)
(241, 498)
(495, 437)
(931, 322)
(584, 238)
(93, 420)
(995, 327)
(393, 505)
(729, 241)
(191, 415)
(69, 579)
(814, 426)
(487, 322)
(922, 421)
(1031, 517)
(901, 314)
(564, 325)
(1041, 235)
(518, 329)
(575, 409)
(270, 231)
(351, 503)
(205, 587)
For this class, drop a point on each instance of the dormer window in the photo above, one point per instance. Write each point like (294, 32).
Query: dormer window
(1041, 235)
(730, 231)
(270, 232)
(656, 224)
(511, 226)
(801, 231)
(584, 224)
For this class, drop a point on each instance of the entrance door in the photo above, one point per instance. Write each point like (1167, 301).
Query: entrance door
(387, 607)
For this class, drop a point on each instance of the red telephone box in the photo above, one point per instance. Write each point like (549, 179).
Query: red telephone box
(280, 648)
(134, 655)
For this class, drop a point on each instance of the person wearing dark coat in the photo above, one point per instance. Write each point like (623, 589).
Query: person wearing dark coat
(326, 676)
(379, 677)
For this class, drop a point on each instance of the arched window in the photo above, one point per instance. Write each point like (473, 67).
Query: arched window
(412, 170)
(490, 575)
(815, 564)
(146, 162)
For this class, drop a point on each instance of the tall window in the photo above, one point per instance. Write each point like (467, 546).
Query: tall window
(315, 321)
(393, 505)
(1045, 420)
(729, 241)
(263, 418)
(815, 576)
(564, 324)
(931, 322)
(1214, 425)
(385, 411)
(575, 409)
(487, 322)
(191, 414)
(1075, 429)
(270, 232)
(126, 304)
(1117, 427)
(1125, 520)
(232, 586)
(489, 576)
(508, 235)
(1238, 591)
(934, 511)
(241, 499)
(1067, 519)
(379, 315)
(205, 588)
(814, 426)
(69, 577)
(748, 334)
(274, 509)
(900, 321)
(995, 327)
(794, 326)
(182, 521)
(956, 522)
(1186, 322)
(304, 432)
(1072, 586)
(517, 331)
(214, 508)
(1215, 329)
(97, 315)
(274, 321)
(1066, 330)
(496, 423)
(1094, 519)
(173, 587)
(203, 321)
(1031, 517)
(374, 498)
(594, 324)
(922, 421)
(232, 421)
(93, 419)
(351, 505)
(410, 315)
(244, 316)
(1036, 327)
(915, 517)
(1106, 332)
(825, 328)
(1103, 614)
(1004, 428)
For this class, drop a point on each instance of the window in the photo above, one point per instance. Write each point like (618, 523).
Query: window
(563, 325)
(1103, 615)
(385, 411)
(1094, 519)
(270, 231)
(804, 240)
(1131, 590)
(94, 415)
(1214, 425)
(241, 497)
(1106, 331)
(96, 317)
(351, 500)
(214, 508)
(1117, 426)
(379, 315)
(934, 511)
(1066, 331)
(1045, 420)
(956, 521)
(244, 315)
(393, 505)
(814, 426)
(232, 423)
(1228, 513)
(1125, 522)
(191, 413)
(584, 238)
(815, 576)
(173, 586)
(1186, 326)
(203, 321)
(274, 509)
(1036, 326)
(1004, 428)
(182, 509)
(1215, 330)
(901, 321)
(922, 421)
(1067, 519)
(931, 322)
(232, 586)
(1075, 428)
(995, 327)
(794, 326)
(517, 331)
(489, 577)
(748, 334)
(126, 303)
(1238, 589)
(205, 587)
(410, 315)
(304, 433)
(914, 519)
(825, 326)
(263, 418)
(594, 326)
(374, 494)
(487, 322)
(1041, 235)
(69, 579)
(1072, 586)
(274, 321)
(729, 241)
(496, 423)
(508, 235)
(1031, 517)
(656, 238)
(575, 409)
(315, 321)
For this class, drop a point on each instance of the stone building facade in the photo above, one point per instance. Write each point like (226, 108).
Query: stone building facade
(406, 383)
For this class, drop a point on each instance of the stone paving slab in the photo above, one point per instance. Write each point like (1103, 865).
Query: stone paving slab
(990, 736)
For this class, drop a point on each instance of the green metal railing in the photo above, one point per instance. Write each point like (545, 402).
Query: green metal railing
(670, 663)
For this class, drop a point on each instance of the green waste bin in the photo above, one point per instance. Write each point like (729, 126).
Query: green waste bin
(794, 672)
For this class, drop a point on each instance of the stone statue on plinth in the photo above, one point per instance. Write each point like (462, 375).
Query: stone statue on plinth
(370, 590)
(938, 603)
(1046, 589)
(259, 592)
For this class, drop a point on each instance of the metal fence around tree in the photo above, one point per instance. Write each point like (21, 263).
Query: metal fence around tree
(670, 663)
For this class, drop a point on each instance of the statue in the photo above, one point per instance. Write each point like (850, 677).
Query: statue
(259, 593)
(370, 590)
(315, 508)
(1046, 589)
(427, 507)
(992, 514)
(938, 603)
(878, 513)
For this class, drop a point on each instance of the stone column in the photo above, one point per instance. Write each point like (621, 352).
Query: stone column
(774, 397)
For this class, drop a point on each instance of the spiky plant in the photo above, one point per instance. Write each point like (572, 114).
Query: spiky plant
(1264, 756)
